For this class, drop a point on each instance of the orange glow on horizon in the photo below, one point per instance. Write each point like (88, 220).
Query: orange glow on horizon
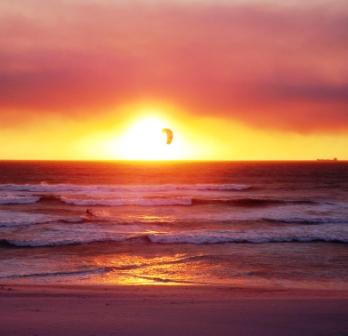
(138, 136)
(134, 132)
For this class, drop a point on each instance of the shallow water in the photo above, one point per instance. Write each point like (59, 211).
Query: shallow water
(243, 224)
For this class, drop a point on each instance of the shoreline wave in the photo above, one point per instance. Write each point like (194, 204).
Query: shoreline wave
(154, 201)
(52, 188)
(330, 234)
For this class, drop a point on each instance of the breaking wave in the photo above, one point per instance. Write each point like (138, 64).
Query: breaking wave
(53, 188)
(18, 218)
(63, 241)
(167, 201)
(250, 202)
(324, 233)
(124, 202)
(9, 200)
(304, 234)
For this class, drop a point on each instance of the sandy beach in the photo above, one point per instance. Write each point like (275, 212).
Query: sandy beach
(170, 310)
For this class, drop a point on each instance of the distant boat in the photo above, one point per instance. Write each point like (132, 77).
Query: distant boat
(327, 160)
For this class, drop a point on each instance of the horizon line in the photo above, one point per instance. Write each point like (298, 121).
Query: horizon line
(175, 161)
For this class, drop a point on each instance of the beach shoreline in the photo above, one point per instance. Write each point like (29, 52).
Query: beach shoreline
(170, 310)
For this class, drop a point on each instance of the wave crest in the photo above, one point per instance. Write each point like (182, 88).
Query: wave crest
(53, 188)
(323, 233)
(303, 234)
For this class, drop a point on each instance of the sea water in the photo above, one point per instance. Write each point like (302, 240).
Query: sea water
(264, 224)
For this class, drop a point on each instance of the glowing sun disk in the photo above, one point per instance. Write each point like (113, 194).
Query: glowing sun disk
(144, 140)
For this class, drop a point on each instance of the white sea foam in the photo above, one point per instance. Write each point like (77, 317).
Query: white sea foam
(281, 215)
(82, 234)
(66, 239)
(125, 202)
(328, 233)
(76, 233)
(19, 218)
(53, 188)
(13, 198)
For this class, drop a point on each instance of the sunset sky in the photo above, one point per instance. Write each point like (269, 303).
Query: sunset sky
(235, 80)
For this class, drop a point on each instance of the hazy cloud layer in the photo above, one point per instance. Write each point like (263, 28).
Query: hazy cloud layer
(261, 63)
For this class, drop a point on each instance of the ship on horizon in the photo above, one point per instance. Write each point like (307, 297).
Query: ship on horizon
(327, 160)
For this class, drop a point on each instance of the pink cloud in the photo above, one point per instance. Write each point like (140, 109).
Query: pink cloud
(266, 65)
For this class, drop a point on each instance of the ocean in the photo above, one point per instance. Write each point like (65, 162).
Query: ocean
(244, 224)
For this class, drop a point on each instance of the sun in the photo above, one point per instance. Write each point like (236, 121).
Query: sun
(145, 140)
(143, 133)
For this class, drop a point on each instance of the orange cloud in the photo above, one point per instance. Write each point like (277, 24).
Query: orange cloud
(264, 64)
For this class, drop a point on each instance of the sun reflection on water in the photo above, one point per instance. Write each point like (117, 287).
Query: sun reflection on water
(139, 270)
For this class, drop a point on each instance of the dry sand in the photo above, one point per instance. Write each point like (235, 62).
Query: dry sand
(167, 310)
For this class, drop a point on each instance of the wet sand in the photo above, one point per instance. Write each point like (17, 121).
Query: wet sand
(167, 310)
